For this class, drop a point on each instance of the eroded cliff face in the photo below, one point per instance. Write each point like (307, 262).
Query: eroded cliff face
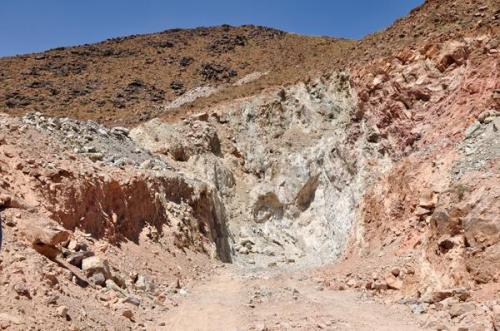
(285, 165)
(439, 107)
(396, 162)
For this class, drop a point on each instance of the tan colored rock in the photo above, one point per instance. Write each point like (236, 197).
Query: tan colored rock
(200, 116)
(39, 229)
(459, 309)
(395, 272)
(428, 200)
(94, 264)
(62, 311)
(127, 313)
(379, 286)
(144, 283)
(422, 211)
(77, 258)
(439, 295)
(111, 285)
(393, 282)
(22, 290)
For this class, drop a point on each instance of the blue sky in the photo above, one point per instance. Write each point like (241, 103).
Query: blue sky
(34, 25)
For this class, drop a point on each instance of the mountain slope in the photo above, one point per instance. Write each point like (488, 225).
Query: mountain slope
(124, 79)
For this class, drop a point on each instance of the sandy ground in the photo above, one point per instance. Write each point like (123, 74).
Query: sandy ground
(232, 300)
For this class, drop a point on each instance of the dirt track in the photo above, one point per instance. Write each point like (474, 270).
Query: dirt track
(231, 300)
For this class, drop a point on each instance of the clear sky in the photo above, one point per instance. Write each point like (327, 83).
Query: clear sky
(34, 25)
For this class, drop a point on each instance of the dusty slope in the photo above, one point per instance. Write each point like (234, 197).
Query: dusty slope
(390, 164)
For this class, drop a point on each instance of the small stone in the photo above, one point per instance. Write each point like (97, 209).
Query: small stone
(395, 272)
(148, 164)
(89, 149)
(75, 246)
(418, 308)
(428, 200)
(201, 117)
(72, 245)
(394, 283)
(483, 116)
(489, 120)
(440, 295)
(95, 156)
(127, 313)
(52, 300)
(459, 309)
(111, 285)
(420, 211)
(244, 250)
(62, 311)
(119, 280)
(132, 300)
(98, 278)
(22, 290)
(77, 258)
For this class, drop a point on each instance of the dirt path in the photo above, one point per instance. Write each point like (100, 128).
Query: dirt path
(232, 301)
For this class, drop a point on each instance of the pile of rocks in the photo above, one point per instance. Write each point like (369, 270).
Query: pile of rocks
(227, 43)
(99, 273)
(97, 142)
(217, 72)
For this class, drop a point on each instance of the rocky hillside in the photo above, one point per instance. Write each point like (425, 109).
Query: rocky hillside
(347, 185)
(128, 80)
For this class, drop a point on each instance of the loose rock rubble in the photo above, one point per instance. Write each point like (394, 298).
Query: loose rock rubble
(95, 141)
